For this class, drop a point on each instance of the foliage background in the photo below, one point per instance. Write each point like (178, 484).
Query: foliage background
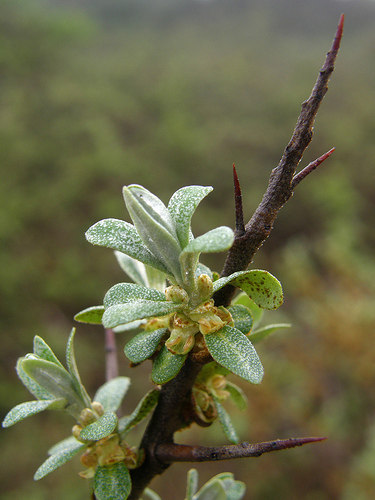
(97, 94)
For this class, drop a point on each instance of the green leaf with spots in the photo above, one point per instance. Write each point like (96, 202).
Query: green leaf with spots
(143, 345)
(166, 366)
(35, 389)
(29, 408)
(111, 394)
(182, 206)
(101, 428)
(58, 459)
(92, 315)
(123, 293)
(216, 240)
(263, 288)
(122, 236)
(226, 423)
(112, 482)
(144, 407)
(233, 350)
(120, 314)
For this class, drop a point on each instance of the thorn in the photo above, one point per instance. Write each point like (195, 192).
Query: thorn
(310, 168)
(340, 28)
(240, 226)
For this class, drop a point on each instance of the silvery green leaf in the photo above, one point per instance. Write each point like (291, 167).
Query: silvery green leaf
(43, 350)
(233, 350)
(92, 315)
(155, 226)
(143, 345)
(121, 314)
(216, 240)
(29, 408)
(212, 490)
(122, 236)
(149, 494)
(123, 293)
(202, 269)
(69, 443)
(133, 268)
(256, 311)
(133, 325)
(112, 483)
(144, 407)
(58, 459)
(140, 273)
(56, 381)
(191, 484)
(235, 490)
(182, 206)
(73, 370)
(166, 366)
(263, 288)
(262, 333)
(101, 428)
(111, 394)
(226, 423)
(237, 395)
(243, 320)
(30, 384)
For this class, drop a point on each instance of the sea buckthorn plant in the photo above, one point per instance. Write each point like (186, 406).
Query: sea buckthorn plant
(197, 327)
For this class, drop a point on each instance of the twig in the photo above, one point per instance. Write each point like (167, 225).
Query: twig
(185, 453)
(280, 187)
(111, 364)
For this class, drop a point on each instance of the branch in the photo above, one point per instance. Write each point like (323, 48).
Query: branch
(111, 364)
(185, 453)
(282, 180)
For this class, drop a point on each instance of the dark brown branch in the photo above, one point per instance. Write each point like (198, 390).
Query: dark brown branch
(185, 453)
(240, 225)
(173, 410)
(280, 187)
(111, 364)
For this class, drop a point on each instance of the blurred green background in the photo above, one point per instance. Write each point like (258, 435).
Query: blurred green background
(95, 94)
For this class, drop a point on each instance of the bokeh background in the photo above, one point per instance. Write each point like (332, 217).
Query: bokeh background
(96, 94)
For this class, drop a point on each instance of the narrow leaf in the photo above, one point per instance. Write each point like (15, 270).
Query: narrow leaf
(155, 226)
(237, 395)
(233, 350)
(69, 443)
(191, 484)
(73, 370)
(57, 460)
(144, 407)
(30, 384)
(166, 366)
(133, 268)
(262, 333)
(121, 314)
(92, 315)
(216, 240)
(149, 494)
(29, 408)
(111, 394)
(56, 381)
(143, 345)
(242, 318)
(112, 483)
(100, 429)
(212, 490)
(43, 350)
(123, 293)
(122, 236)
(226, 423)
(182, 206)
(256, 311)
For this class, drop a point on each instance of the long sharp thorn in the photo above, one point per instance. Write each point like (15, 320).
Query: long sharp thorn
(240, 226)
